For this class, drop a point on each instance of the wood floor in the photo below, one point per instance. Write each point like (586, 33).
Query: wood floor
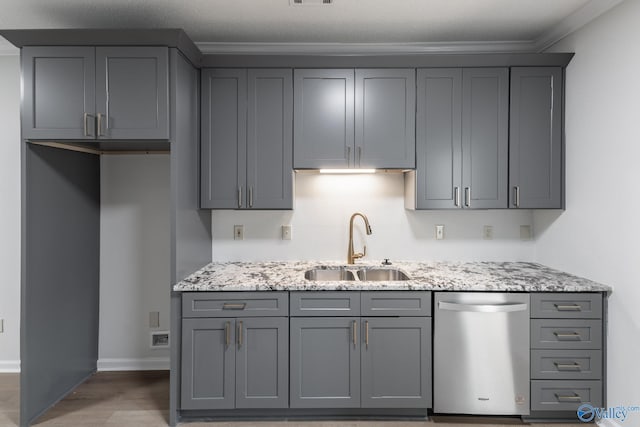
(138, 399)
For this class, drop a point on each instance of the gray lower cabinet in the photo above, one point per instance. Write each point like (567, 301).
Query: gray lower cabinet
(325, 362)
(461, 140)
(396, 362)
(95, 93)
(235, 363)
(361, 362)
(567, 356)
(246, 139)
(535, 140)
(362, 118)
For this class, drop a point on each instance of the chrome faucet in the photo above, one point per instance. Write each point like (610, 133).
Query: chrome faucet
(352, 255)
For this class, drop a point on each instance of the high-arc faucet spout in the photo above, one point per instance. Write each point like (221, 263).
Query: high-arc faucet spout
(353, 255)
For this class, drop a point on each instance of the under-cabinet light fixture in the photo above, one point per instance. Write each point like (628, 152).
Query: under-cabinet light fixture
(347, 171)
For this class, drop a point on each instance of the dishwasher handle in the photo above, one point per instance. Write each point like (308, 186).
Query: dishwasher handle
(482, 308)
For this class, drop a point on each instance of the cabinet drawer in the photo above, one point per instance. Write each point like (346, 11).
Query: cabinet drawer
(566, 364)
(325, 304)
(396, 303)
(234, 304)
(564, 395)
(566, 306)
(566, 334)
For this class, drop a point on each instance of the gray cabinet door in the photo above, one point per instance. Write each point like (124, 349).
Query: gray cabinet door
(396, 362)
(262, 362)
(535, 142)
(485, 115)
(439, 140)
(223, 138)
(59, 92)
(269, 139)
(385, 111)
(132, 92)
(323, 118)
(208, 364)
(325, 362)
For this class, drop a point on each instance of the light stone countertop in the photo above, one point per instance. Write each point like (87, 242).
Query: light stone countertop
(437, 276)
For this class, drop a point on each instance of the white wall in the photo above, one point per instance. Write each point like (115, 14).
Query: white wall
(134, 259)
(320, 220)
(10, 212)
(598, 236)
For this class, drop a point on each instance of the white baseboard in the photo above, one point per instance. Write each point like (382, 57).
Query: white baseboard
(9, 366)
(607, 422)
(146, 364)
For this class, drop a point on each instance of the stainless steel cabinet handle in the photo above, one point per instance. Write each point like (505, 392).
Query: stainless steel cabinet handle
(354, 333)
(250, 197)
(516, 198)
(467, 196)
(568, 366)
(481, 308)
(227, 334)
(85, 117)
(99, 132)
(240, 333)
(349, 157)
(366, 333)
(456, 196)
(567, 336)
(234, 306)
(239, 196)
(571, 307)
(567, 398)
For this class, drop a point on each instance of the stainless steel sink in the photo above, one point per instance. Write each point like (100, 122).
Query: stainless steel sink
(381, 274)
(329, 274)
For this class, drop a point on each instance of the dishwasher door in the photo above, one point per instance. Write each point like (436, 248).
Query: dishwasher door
(481, 353)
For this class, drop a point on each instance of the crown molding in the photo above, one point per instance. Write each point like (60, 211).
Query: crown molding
(574, 22)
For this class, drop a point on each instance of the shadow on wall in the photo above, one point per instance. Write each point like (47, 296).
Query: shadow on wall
(543, 219)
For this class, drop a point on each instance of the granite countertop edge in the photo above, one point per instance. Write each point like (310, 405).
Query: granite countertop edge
(430, 276)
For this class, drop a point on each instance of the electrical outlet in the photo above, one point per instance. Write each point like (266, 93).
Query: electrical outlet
(439, 232)
(487, 232)
(286, 232)
(1, 326)
(154, 319)
(238, 232)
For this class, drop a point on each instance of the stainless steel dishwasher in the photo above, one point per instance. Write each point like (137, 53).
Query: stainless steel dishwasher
(481, 353)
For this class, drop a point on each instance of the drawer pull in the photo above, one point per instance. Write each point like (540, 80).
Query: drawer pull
(566, 398)
(231, 306)
(572, 307)
(567, 336)
(567, 366)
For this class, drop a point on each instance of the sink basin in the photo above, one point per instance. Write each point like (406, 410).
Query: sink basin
(329, 274)
(381, 274)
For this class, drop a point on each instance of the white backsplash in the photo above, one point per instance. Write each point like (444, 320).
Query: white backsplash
(320, 221)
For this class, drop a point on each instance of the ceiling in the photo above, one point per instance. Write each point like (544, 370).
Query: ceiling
(275, 25)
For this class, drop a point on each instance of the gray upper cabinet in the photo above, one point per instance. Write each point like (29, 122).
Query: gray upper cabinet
(385, 111)
(58, 92)
(485, 144)
(132, 93)
(535, 150)
(462, 139)
(396, 362)
(246, 141)
(323, 118)
(88, 93)
(347, 118)
(325, 362)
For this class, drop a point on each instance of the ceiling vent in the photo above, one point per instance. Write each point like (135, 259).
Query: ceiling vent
(310, 2)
